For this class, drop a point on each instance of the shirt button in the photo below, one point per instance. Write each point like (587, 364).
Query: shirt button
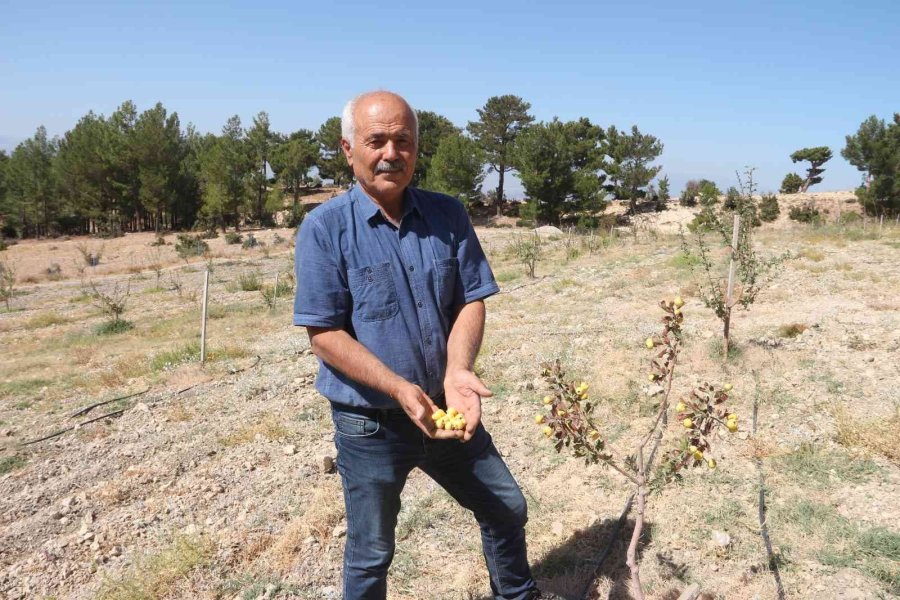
(411, 268)
(419, 304)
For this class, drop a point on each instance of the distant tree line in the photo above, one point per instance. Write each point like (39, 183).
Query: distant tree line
(142, 171)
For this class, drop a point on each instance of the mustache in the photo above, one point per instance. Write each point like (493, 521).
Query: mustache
(388, 166)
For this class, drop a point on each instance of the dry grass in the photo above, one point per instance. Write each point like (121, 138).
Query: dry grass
(270, 427)
(47, 319)
(154, 576)
(876, 435)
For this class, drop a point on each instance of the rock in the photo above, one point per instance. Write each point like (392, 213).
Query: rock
(548, 230)
(720, 539)
(339, 531)
(556, 528)
(326, 463)
(653, 390)
(142, 407)
(309, 541)
(289, 450)
(329, 592)
(6, 432)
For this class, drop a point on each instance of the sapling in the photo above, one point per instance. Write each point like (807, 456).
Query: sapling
(567, 420)
(7, 283)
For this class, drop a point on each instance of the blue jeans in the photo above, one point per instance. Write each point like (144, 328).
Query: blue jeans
(377, 449)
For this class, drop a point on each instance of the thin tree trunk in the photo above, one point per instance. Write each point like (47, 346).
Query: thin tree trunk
(501, 171)
(631, 559)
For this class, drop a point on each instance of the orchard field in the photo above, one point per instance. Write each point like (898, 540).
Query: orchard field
(214, 482)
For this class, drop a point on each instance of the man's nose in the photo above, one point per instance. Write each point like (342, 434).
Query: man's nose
(390, 151)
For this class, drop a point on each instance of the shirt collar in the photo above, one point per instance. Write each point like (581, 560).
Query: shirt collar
(369, 210)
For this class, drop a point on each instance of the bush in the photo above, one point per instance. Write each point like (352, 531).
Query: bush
(732, 199)
(209, 234)
(250, 242)
(249, 282)
(706, 220)
(768, 208)
(805, 214)
(689, 195)
(233, 237)
(791, 184)
(113, 327)
(159, 241)
(849, 218)
(3, 244)
(190, 245)
(54, 272)
(707, 192)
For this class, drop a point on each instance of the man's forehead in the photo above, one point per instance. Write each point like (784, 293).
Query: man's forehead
(383, 110)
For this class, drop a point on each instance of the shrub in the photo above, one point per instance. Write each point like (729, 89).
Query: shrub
(7, 283)
(732, 199)
(849, 218)
(689, 195)
(210, 234)
(190, 245)
(233, 237)
(707, 193)
(768, 208)
(159, 241)
(527, 249)
(54, 272)
(791, 183)
(113, 304)
(249, 282)
(91, 256)
(250, 242)
(706, 220)
(3, 244)
(806, 213)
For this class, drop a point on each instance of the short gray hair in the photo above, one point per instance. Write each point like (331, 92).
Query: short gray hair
(348, 124)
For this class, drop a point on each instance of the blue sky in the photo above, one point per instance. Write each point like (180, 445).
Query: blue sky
(722, 84)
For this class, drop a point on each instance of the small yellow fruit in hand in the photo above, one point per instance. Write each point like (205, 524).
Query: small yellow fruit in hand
(452, 412)
(688, 423)
(548, 400)
(538, 419)
(649, 343)
(711, 463)
(438, 414)
(681, 407)
(678, 302)
(727, 387)
(732, 426)
(548, 431)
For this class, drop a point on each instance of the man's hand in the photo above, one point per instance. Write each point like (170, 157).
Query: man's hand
(419, 407)
(463, 391)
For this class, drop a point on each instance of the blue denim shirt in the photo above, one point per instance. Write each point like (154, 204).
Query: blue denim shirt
(394, 290)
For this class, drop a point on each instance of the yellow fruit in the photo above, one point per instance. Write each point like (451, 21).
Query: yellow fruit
(438, 414)
(547, 399)
(732, 426)
(677, 311)
(697, 455)
(548, 431)
(452, 412)
(711, 463)
(681, 407)
(688, 423)
(593, 434)
(692, 448)
(651, 377)
(583, 386)
(538, 419)
(649, 343)
(678, 302)
(727, 387)
(561, 412)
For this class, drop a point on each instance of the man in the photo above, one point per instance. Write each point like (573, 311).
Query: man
(390, 286)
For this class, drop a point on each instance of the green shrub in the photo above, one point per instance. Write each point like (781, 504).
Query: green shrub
(706, 220)
(805, 214)
(732, 199)
(849, 218)
(791, 184)
(113, 327)
(249, 282)
(250, 242)
(707, 193)
(190, 245)
(233, 237)
(768, 208)
(689, 195)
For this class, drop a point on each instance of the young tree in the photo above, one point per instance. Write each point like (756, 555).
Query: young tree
(876, 150)
(332, 162)
(559, 166)
(32, 183)
(292, 160)
(433, 129)
(259, 140)
(816, 157)
(500, 121)
(862, 148)
(456, 169)
(628, 163)
(791, 184)
(159, 150)
(224, 170)
(664, 189)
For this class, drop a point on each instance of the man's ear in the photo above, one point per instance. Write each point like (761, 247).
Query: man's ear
(348, 151)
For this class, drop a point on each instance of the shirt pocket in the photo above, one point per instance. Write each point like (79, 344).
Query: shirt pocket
(353, 425)
(373, 291)
(445, 275)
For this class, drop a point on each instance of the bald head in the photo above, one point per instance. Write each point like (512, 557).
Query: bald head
(350, 115)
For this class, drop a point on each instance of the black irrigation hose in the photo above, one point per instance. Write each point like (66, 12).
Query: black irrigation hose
(763, 526)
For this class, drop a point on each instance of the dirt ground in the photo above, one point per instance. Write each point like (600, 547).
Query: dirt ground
(213, 481)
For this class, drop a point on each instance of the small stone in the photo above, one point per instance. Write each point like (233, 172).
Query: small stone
(289, 450)
(142, 407)
(720, 539)
(556, 528)
(309, 541)
(326, 463)
(339, 531)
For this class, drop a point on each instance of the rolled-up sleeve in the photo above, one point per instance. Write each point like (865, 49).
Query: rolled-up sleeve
(322, 297)
(476, 278)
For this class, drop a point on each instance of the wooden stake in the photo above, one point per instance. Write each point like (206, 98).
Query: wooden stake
(275, 292)
(203, 318)
(729, 291)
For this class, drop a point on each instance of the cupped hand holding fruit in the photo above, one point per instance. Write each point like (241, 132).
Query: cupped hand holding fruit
(463, 391)
(420, 408)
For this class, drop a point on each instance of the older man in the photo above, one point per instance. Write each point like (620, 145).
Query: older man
(390, 286)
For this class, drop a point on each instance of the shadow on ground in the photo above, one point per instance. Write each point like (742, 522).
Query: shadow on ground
(571, 568)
